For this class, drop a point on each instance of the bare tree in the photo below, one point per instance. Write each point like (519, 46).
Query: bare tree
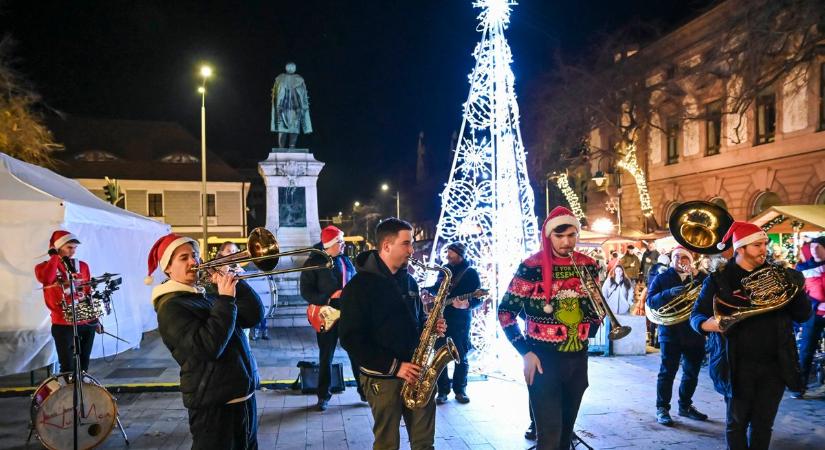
(755, 45)
(22, 132)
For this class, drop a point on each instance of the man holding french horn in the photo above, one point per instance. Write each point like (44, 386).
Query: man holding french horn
(670, 298)
(747, 308)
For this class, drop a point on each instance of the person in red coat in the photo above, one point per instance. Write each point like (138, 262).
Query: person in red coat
(52, 274)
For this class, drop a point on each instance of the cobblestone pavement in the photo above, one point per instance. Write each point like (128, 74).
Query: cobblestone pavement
(617, 410)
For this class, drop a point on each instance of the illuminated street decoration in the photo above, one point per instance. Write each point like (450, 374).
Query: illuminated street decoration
(488, 203)
(631, 165)
(563, 182)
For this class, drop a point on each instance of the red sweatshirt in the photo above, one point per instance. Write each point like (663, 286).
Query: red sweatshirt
(52, 274)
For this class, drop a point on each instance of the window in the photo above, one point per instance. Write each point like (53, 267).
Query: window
(822, 96)
(765, 201)
(672, 128)
(720, 202)
(713, 127)
(765, 117)
(155, 205)
(671, 208)
(210, 205)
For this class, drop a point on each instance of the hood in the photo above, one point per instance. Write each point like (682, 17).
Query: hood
(370, 262)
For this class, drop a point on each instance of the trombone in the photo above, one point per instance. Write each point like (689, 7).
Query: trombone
(262, 249)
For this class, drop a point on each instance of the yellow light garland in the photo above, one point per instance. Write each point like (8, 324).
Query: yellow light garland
(630, 164)
(570, 195)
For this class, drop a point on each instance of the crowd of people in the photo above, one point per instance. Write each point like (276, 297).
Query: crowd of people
(374, 307)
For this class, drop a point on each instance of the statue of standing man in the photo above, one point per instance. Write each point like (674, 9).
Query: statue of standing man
(290, 107)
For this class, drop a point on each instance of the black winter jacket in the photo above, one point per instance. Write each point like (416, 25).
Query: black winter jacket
(318, 285)
(381, 317)
(205, 336)
(659, 294)
(469, 282)
(775, 328)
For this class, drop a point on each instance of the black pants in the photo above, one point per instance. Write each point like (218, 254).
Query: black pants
(225, 427)
(691, 358)
(460, 334)
(326, 346)
(811, 334)
(63, 337)
(555, 397)
(757, 391)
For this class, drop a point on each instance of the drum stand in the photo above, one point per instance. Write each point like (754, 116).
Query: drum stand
(575, 441)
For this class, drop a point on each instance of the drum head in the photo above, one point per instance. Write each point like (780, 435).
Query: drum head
(52, 416)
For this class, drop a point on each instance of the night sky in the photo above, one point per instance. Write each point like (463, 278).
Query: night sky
(378, 72)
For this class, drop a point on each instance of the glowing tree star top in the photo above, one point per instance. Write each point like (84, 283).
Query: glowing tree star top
(487, 203)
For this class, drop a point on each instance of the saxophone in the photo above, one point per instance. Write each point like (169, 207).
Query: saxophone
(416, 395)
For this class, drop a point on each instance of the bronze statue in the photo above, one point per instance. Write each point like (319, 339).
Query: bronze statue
(290, 107)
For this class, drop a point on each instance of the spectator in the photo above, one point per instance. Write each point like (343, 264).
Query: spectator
(631, 263)
(618, 290)
(649, 258)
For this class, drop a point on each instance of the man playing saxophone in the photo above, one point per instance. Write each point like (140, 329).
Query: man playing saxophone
(752, 361)
(380, 326)
(676, 338)
(548, 291)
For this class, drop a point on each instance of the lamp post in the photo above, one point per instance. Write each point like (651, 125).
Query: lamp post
(205, 72)
(386, 187)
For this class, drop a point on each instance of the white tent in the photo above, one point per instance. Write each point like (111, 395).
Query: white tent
(34, 202)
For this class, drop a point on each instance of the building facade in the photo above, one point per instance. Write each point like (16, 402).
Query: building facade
(158, 169)
(775, 156)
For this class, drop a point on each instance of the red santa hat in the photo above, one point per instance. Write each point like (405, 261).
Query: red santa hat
(742, 233)
(679, 250)
(61, 238)
(330, 235)
(560, 216)
(161, 252)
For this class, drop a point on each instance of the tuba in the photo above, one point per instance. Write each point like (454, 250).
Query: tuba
(699, 226)
(417, 395)
(597, 300)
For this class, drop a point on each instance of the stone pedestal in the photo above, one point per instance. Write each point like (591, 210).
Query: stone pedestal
(635, 342)
(290, 177)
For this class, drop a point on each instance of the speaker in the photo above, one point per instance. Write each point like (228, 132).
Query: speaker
(308, 378)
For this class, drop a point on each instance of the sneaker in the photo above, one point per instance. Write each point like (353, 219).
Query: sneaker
(798, 395)
(441, 399)
(265, 334)
(462, 398)
(692, 413)
(663, 416)
(322, 405)
(530, 434)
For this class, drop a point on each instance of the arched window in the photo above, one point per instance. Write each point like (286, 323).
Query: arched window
(720, 202)
(180, 158)
(95, 156)
(668, 212)
(820, 197)
(764, 201)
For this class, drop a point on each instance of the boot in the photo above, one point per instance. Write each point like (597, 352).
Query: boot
(253, 334)
(265, 334)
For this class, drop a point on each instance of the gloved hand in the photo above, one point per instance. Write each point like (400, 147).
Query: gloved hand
(52, 251)
(674, 291)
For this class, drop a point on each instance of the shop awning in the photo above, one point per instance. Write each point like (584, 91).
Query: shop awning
(781, 219)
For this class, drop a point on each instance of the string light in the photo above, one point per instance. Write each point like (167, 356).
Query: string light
(563, 182)
(631, 165)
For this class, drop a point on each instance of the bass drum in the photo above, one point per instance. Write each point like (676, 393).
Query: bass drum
(52, 418)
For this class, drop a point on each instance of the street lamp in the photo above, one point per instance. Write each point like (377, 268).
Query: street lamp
(205, 72)
(356, 204)
(386, 187)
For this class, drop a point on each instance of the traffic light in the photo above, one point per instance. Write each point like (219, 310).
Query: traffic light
(112, 191)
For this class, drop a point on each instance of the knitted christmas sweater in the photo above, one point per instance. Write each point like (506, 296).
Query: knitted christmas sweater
(561, 324)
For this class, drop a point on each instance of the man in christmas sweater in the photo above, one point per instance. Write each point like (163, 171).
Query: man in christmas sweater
(559, 318)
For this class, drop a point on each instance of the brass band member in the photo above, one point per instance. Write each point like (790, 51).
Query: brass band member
(678, 341)
(752, 362)
(205, 335)
(52, 274)
(381, 322)
(559, 319)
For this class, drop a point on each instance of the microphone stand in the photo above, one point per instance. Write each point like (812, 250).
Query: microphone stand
(77, 391)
